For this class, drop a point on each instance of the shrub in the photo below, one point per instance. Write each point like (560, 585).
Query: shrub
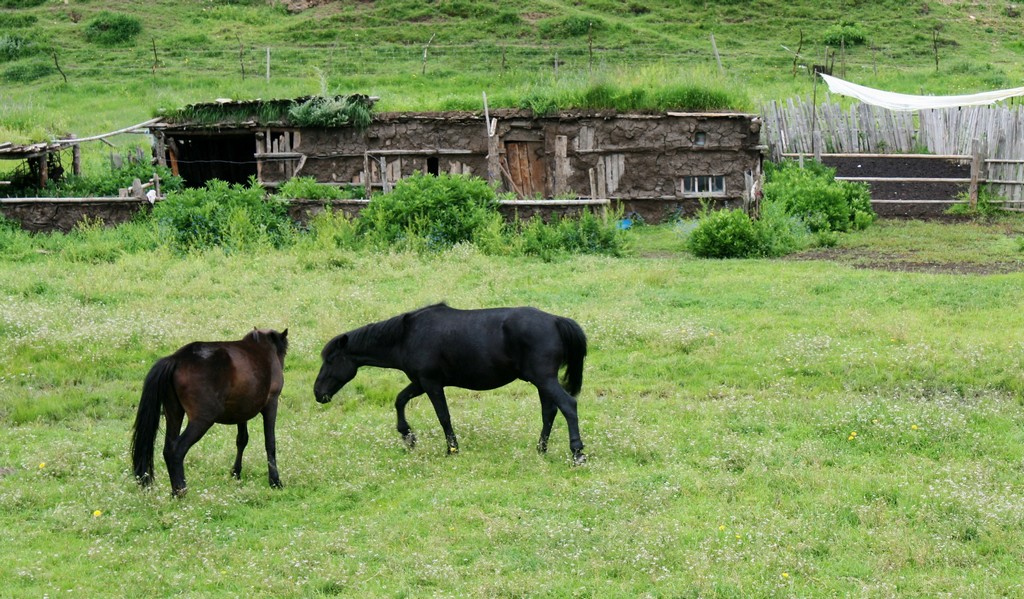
(508, 17)
(16, 20)
(778, 233)
(574, 26)
(28, 72)
(112, 29)
(439, 211)
(332, 111)
(989, 204)
(106, 183)
(813, 195)
(20, 3)
(723, 234)
(13, 47)
(307, 188)
(231, 217)
(583, 234)
(845, 32)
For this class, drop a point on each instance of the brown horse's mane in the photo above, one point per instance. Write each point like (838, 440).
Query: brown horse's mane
(279, 341)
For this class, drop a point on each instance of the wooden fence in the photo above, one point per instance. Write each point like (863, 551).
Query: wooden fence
(992, 134)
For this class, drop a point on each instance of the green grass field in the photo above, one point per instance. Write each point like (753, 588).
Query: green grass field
(797, 427)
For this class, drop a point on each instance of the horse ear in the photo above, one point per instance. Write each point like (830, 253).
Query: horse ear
(284, 333)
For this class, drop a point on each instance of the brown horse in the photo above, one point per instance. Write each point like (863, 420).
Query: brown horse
(226, 382)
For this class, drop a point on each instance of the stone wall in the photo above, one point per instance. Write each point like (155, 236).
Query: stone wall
(41, 216)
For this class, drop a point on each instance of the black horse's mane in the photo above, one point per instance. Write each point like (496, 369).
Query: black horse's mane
(385, 332)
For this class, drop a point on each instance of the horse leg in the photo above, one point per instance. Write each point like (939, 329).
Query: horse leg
(567, 406)
(548, 410)
(437, 398)
(270, 441)
(413, 390)
(175, 454)
(174, 415)
(240, 442)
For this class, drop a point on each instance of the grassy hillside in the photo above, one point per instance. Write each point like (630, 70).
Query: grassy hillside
(165, 54)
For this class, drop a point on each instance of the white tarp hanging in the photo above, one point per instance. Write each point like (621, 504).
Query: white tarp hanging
(908, 102)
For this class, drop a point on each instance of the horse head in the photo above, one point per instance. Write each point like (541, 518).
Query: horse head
(337, 370)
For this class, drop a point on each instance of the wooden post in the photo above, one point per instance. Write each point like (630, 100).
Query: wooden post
(44, 166)
(593, 184)
(161, 150)
(493, 147)
(268, 64)
(76, 159)
(602, 182)
(367, 179)
(976, 162)
(748, 190)
(817, 142)
(425, 53)
(241, 55)
(590, 46)
(718, 58)
(494, 159)
(561, 183)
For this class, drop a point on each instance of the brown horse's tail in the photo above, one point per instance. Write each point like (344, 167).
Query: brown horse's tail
(574, 344)
(157, 388)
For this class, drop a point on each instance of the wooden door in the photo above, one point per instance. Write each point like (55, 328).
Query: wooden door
(525, 161)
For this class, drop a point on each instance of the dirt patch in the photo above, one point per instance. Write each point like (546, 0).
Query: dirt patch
(906, 262)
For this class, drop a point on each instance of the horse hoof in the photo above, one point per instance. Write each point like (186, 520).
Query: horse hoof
(453, 451)
(179, 492)
(410, 440)
(276, 484)
(542, 447)
(579, 459)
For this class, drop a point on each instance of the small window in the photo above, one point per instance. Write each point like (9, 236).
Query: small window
(700, 139)
(703, 185)
(433, 166)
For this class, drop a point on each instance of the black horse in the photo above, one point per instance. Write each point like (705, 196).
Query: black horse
(439, 346)
(226, 382)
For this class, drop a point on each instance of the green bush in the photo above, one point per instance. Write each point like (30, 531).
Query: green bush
(332, 111)
(778, 232)
(438, 211)
(8, 20)
(13, 47)
(112, 29)
(307, 188)
(232, 217)
(845, 32)
(111, 181)
(813, 195)
(508, 17)
(573, 26)
(20, 3)
(28, 72)
(989, 204)
(723, 234)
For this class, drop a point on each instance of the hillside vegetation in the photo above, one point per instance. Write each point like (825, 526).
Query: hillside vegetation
(85, 68)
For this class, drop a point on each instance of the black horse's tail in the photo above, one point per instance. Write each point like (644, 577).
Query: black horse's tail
(155, 391)
(574, 343)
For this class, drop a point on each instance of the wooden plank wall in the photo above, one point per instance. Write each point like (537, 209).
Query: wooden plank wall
(791, 126)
